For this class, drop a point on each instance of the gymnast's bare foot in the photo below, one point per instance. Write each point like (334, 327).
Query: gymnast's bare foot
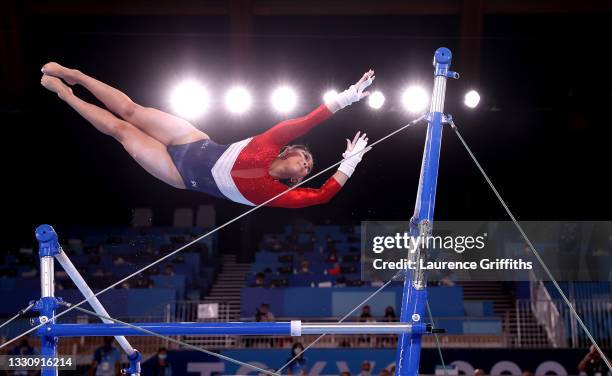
(56, 70)
(55, 85)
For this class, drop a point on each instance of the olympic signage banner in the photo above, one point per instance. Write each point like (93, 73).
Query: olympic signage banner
(560, 362)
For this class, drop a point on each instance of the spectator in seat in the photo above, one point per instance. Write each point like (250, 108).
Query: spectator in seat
(385, 372)
(305, 268)
(446, 281)
(260, 280)
(161, 366)
(297, 366)
(345, 373)
(169, 270)
(332, 255)
(593, 364)
(366, 316)
(106, 360)
(385, 341)
(366, 369)
(390, 314)
(263, 313)
(335, 271)
(275, 244)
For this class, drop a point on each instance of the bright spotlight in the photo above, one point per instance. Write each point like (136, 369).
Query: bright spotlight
(415, 99)
(376, 100)
(329, 96)
(238, 100)
(472, 98)
(189, 99)
(284, 99)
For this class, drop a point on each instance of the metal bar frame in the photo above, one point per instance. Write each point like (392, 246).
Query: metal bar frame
(415, 283)
(49, 250)
(410, 328)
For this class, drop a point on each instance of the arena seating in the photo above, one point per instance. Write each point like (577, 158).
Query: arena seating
(296, 267)
(106, 255)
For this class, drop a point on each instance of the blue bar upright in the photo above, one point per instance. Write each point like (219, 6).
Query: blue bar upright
(415, 284)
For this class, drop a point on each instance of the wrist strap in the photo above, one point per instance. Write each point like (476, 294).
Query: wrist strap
(346, 169)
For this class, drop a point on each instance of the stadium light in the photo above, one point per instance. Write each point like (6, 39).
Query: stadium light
(329, 96)
(415, 99)
(471, 99)
(376, 100)
(284, 99)
(189, 99)
(238, 100)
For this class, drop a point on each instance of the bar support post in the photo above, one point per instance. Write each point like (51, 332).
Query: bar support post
(415, 283)
(48, 303)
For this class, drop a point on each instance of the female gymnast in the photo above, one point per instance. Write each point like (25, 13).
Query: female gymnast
(250, 172)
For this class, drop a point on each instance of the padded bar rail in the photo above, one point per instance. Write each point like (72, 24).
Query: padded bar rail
(293, 328)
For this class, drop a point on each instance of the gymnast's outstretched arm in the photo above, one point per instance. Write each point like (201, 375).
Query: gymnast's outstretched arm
(303, 197)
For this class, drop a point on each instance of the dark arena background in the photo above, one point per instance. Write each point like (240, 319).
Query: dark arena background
(536, 119)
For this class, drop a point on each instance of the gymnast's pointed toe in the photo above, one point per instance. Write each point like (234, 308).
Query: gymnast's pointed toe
(56, 70)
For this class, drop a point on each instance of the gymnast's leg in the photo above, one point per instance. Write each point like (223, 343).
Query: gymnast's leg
(151, 154)
(167, 129)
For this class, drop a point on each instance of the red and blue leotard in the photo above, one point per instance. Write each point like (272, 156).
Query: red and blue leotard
(240, 171)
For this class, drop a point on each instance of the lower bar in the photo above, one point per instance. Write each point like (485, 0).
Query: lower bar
(168, 328)
(293, 328)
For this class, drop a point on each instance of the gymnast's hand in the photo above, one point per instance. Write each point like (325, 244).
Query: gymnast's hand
(354, 152)
(365, 81)
(356, 92)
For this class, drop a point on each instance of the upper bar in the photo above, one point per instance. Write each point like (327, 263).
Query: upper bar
(293, 328)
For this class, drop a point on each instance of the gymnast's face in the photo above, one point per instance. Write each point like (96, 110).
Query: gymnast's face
(297, 163)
